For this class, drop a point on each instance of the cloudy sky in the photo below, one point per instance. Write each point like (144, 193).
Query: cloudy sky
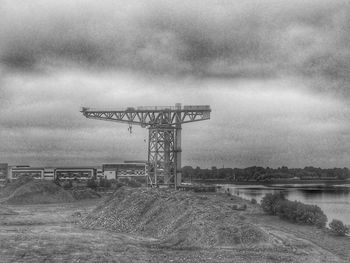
(276, 74)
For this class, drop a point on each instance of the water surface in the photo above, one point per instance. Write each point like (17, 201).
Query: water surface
(334, 200)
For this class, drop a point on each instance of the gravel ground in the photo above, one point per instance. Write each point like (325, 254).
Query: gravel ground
(52, 233)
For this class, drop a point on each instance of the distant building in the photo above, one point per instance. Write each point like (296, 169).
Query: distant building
(49, 174)
(19, 171)
(127, 169)
(135, 161)
(75, 173)
(108, 171)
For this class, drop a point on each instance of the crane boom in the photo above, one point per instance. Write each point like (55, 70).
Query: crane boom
(164, 141)
(151, 116)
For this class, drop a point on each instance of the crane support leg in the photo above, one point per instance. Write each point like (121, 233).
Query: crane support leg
(178, 175)
(161, 156)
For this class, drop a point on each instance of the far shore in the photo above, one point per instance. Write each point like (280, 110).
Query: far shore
(274, 182)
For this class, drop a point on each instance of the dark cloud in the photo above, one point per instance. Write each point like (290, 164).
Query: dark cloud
(267, 58)
(202, 38)
(331, 66)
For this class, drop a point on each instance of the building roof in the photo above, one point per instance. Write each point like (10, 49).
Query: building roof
(27, 168)
(123, 165)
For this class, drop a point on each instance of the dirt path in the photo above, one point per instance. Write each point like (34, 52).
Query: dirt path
(322, 241)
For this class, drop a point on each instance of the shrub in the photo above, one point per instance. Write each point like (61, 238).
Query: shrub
(67, 185)
(308, 214)
(321, 220)
(133, 183)
(105, 183)
(91, 183)
(117, 185)
(287, 210)
(253, 201)
(129, 182)
(57, 182)
(339, 228)
(294, 211)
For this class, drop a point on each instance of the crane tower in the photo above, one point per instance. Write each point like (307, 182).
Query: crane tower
(164, 140)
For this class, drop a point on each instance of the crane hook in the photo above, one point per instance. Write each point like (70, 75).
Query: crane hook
(130, 128)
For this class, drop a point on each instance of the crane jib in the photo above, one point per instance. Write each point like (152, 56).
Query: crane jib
(146, 117)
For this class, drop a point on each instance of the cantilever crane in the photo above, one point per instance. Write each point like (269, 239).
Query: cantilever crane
(164, 142)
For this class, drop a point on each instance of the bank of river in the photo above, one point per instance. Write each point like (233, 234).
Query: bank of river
(334, 200)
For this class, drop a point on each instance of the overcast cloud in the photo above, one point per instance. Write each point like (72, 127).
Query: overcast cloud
(276, 74)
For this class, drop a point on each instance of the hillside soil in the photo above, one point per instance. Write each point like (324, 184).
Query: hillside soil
(30, 191)
(65, 232)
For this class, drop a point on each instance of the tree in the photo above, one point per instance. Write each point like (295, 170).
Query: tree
(271, 202)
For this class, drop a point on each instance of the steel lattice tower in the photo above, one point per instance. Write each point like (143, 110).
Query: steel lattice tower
(164, 141)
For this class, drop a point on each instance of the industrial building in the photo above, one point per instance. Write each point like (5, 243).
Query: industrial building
(82, 173)
(126, 169)
(19, 171)
(75, 173)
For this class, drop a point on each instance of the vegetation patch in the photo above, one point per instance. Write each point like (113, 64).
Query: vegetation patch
(294, 211)
(339, 228)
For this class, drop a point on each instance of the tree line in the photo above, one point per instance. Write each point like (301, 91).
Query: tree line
(256, 173)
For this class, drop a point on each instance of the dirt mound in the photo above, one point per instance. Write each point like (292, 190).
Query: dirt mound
(88, 193)
(177, 219)
(10, 187)
(39, 192)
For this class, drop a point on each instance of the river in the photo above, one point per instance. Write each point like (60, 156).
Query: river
(334, 200)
